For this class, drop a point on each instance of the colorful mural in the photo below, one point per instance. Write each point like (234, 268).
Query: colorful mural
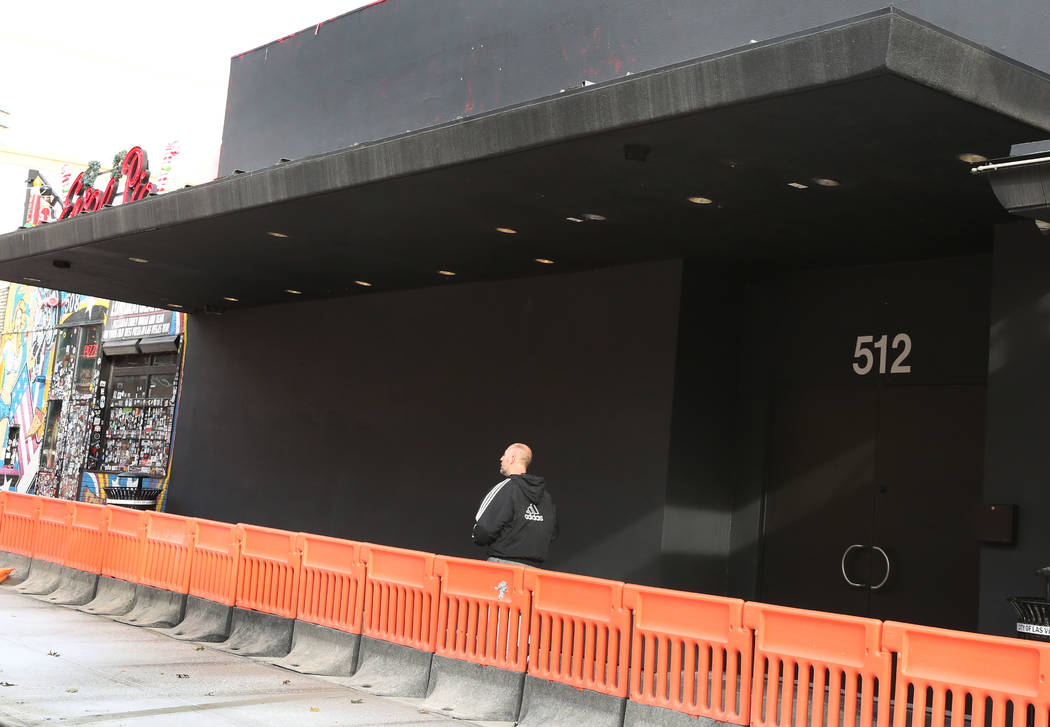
(31, 319)
(58, 413)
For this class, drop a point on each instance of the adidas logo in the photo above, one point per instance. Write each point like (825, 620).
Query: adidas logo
(533, 513)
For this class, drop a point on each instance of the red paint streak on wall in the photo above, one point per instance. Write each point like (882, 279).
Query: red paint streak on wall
(470, 98)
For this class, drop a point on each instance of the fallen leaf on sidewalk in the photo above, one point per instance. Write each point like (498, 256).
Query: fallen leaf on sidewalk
(71, 690)
(356, 701)
(200, 648)
(315, 709)
(287, 681)
(7, 684)
(183, 676)
(53, 653)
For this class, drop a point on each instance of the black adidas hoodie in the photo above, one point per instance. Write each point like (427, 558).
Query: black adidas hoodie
(517, 520)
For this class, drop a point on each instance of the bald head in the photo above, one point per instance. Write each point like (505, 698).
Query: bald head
(516, 460)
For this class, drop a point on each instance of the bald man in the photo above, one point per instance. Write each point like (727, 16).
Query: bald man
(517, 520)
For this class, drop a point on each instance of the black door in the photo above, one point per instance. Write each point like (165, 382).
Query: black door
(870, 494)
(818, 499)
(928, 475)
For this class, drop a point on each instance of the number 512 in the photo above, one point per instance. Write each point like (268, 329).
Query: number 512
(864, 358)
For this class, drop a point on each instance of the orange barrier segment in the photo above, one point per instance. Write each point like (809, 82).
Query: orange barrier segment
(87, 537)
(401, 596)
(483, 613)
(169, 551)
(19, 523)
(690, 653)
(976, 679)
(268, 578)
(332, 583)
(125, 544)
(53, 528)
(808, 660)
(580, 631)
(215, 562)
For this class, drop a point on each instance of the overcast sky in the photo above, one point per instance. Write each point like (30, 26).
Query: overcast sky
(84, 80)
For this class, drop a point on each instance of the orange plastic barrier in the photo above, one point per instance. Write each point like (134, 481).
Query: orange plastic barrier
(690, 653)
(125, 544)
(86, 541)
(53, 528)
(332, 583)
(580, 631)
(483, 613)
(169, 551)
(976, 679)
(215, 563)
(19, 523)
(268, 580)
(808, 660)
(401, 596)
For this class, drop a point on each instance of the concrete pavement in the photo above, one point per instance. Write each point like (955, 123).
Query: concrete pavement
(61, 666)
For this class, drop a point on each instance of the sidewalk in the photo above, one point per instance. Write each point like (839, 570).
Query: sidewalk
(61, 666)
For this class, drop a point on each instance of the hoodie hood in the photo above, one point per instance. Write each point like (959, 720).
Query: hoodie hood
(532, 485)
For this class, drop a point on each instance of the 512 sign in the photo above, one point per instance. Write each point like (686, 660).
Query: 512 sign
(868, 347)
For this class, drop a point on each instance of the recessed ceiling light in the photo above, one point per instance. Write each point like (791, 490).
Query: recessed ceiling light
(971, 158)
(138, 259)
(293, 292)
(700, 200)
(544, 260)
(446, 273)
(594, 217)
(507, 230)
(32, 280)
(363, 283)
(825, 182)
(276, 234)
(574, 219)
(230, 298)
(798, 185)
(174, 305)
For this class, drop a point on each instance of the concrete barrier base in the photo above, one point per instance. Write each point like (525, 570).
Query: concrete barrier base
(472, 691)
(155, 607)
(204, 620)
(552, 704)
(21, 565)
(321, 650)
(644, 715)
(253, 633)
(391, 670)
(44, 577)
(78, 587)
(113, 597)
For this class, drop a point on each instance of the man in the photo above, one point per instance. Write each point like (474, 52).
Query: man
(516, 520)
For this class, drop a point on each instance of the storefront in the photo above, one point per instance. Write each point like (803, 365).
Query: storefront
(759, 321)
(91, 388)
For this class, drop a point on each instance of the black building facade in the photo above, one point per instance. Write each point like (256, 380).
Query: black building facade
(767, 334)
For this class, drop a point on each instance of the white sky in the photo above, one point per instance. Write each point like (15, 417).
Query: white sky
(84, 80)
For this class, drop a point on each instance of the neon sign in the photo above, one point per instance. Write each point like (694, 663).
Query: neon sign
(86, 198)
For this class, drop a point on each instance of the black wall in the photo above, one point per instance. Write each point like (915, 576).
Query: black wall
(1017, 469)
(704, 455)
(407, 64)
(382, 417)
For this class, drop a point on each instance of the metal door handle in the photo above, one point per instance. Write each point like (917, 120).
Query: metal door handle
(883, 581)
(843, 565)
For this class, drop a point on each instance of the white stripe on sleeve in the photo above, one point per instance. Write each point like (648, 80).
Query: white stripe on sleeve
(488, 498)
